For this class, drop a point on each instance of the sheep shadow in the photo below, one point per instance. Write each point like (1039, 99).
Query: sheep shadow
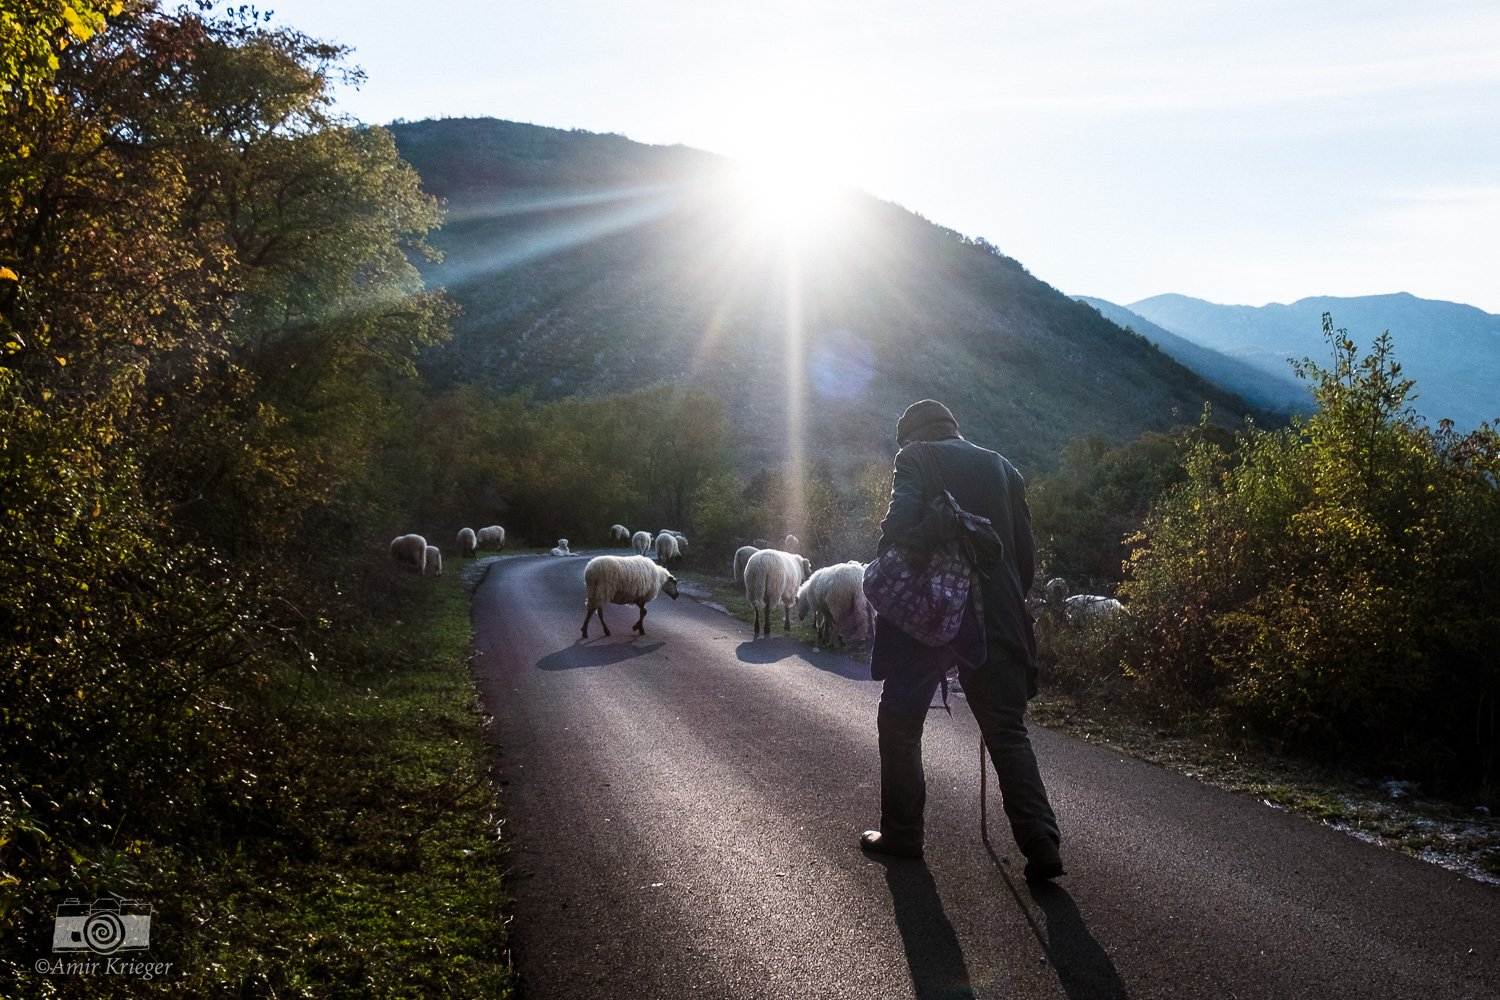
(601, 652)
(768, 649)
(842, 664)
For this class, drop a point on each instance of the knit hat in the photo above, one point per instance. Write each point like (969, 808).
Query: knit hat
(924, 414)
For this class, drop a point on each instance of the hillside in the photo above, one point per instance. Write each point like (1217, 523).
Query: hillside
(591, 264)
(1267, 389)
(1451, 350)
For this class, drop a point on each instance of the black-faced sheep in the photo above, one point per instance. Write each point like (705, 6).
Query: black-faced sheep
(741, 556)
(641, 542)
(623, 580)
(619, 534)
(772, 577)
(835, 597)
(667, 551)
(467, 543)
(434, 561)
(410, 549)
(492, 537)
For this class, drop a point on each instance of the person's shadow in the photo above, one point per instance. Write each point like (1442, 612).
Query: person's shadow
(1083, 966)
(933, 955)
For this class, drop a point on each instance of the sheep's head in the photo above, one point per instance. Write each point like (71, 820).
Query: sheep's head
(670, 586)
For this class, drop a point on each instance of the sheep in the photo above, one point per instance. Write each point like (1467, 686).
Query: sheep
(772, 577)
(467, 543)
(641, 542)
(666, 548)
(619, 534)
(491, 537)
(623, 580)
(791, 544)
(741, 556)
(1079, 608)
(561, 549)
(681, 542)
(434, 561)
(835, 597)
(410, 549)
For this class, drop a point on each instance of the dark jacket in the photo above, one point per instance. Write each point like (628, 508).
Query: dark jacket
(983, 482)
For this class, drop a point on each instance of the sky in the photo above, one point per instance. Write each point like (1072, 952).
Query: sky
(1243, 152)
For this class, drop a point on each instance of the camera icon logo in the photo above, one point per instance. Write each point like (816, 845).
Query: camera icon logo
(105, 926)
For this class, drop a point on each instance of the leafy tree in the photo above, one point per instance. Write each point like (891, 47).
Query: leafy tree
(1328, 584)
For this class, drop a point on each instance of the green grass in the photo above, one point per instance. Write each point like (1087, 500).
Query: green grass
(375, 866)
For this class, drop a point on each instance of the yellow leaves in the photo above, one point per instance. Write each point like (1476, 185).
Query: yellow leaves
(6, 274)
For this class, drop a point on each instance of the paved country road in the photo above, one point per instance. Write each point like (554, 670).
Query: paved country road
(682, 813)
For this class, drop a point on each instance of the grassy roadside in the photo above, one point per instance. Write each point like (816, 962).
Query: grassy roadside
(372, 867)
(391, 886)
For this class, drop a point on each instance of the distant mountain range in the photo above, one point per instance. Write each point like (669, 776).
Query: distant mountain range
(590, 264)
(1451, 351)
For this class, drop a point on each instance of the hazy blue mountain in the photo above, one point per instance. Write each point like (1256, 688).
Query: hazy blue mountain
(1284, 393)
(590, 264)
(1452, 351)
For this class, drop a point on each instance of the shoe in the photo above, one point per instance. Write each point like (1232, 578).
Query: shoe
(876, 843)
(1043, 862)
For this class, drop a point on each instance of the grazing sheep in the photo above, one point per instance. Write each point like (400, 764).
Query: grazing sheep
(1079, 608)
(791, 543)
(681, 542)
(561, 549)
(741, 556)
(619, 534)
(666, 548)
(467, 543)
(410, 549)
(835, 597)
(641, 542)
(623, 580)
(772, 577)
(492, 537)
(434, 561)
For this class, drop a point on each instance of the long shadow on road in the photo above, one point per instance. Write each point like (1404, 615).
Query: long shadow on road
(596, 653)
(933, 954)
(774, 650)
(1083, 966)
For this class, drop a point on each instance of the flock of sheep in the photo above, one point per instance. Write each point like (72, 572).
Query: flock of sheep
(832, 595)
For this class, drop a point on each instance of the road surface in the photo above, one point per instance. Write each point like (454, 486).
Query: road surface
(682, 811)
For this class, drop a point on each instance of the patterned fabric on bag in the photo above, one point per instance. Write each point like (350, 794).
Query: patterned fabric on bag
(927, 604)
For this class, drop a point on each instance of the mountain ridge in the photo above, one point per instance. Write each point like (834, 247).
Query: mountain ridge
(589, 264)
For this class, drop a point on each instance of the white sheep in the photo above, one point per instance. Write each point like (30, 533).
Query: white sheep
(835, 597)
(1079, 608)
(772, 577)
(410, 549)
(434, 561)
(623, 580)
(491, 537)
(666, 548)
(619, 534)
(561, 549)
(641, 542)
(467, 543)
(791, 543)
(741, 556)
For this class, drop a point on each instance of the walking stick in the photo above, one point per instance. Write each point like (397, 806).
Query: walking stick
(984, 823)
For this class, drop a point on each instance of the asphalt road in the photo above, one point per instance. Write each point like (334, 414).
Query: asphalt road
(682, 812)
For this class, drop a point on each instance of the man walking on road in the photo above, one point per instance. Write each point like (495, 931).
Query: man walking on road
(983, 482)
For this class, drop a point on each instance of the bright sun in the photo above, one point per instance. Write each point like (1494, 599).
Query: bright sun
(780, 198)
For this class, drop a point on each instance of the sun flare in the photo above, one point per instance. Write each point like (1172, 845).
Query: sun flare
(777, 197)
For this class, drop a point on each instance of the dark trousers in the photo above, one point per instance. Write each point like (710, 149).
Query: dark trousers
(996, 693)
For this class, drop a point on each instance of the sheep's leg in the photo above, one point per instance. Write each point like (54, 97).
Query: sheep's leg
(640, 623)
(786, 618)
(589, 614)
(756, 630)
